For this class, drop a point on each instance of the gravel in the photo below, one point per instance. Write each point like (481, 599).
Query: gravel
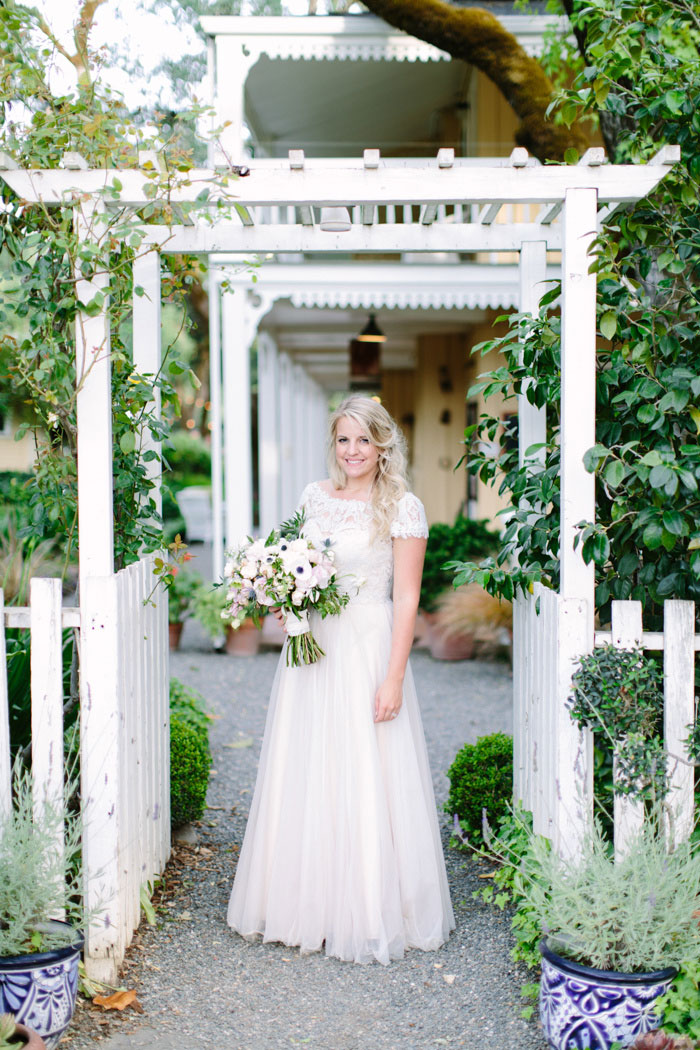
(200, 985)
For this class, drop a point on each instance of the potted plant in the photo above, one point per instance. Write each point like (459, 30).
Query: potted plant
(14, 1035)
(183, 590)
(615, 931)
(469, 621)
(209, 605)
(38, 881)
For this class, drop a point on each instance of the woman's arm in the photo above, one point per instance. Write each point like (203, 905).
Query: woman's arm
(408, 570)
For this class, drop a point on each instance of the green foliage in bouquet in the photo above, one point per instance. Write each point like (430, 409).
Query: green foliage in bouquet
(481, 779)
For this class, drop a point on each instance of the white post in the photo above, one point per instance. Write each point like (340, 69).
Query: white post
(268, 433)
(629, 812)
(94, 414)
(238, 474)
(532, 421)
(289, 495)
(146, 312)
(232, 66)
(217, 482)
(578, 352)
(101, 748)
(679, 709)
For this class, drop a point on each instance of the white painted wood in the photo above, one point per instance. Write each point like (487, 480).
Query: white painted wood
(374, 239)
(289, 493)
(238, 483)
(216, 420)
(532, 421)
(577, 386)
(5, 758)
(94, 414)
(147, 351)
(573, 779)
(629, 813)
(392, 184)
(679, 710)
(268, 434)
(100, 769)
(230, 77)
(46, 664)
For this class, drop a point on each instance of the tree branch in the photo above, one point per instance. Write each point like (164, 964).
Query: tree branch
(478, 37)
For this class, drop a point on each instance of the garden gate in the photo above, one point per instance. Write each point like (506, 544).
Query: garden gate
(212, 212)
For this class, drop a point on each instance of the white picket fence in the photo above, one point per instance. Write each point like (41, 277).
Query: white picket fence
(124, 739)
(553, 776)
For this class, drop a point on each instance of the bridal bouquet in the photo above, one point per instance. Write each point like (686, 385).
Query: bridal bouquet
(284, 571)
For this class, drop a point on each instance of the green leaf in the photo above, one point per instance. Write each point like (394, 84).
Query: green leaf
(608, 324)
(127, 442)
(593, 456)
(674, 523)
(660, 476)
(651, 537)
(615, 473)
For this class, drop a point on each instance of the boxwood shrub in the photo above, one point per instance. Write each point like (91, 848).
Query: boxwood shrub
(481, 778)
(190, 756)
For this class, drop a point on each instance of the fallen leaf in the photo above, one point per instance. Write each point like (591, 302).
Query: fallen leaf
(246, 741)
(117, 1000)
(449, 978)
(487, 875)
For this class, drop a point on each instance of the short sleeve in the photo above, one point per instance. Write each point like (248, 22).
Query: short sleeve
(410, 520)
(305, 497)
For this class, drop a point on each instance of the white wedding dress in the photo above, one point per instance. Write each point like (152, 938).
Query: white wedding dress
(342, 846)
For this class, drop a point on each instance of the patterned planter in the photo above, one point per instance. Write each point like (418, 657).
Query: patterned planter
(40, 989)
(586, 1009)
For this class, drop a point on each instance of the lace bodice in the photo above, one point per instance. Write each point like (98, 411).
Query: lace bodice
(365, 566)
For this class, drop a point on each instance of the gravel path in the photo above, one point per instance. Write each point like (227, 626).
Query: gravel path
(200, 985)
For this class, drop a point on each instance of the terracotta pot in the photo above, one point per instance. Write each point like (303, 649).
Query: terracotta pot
(31, 1040)
(174, 634)
(450, 647)
(245, 641)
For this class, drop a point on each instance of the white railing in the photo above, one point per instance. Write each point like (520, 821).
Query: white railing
(552, 759)
(124, 738)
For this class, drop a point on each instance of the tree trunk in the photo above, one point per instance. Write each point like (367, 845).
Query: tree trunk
(477, 37)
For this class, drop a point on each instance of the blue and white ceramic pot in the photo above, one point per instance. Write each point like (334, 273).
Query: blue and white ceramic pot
(40, 989)
(586, 1009)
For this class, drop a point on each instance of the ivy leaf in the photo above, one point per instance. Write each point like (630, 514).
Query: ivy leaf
(127, 442)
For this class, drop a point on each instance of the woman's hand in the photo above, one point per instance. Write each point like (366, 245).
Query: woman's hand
(278, 615)
(388, 700)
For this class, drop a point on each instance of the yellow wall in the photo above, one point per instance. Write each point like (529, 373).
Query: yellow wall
(16, 455)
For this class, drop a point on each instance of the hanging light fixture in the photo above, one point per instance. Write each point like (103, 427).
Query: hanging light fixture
(365, 367)
(371, 333)
(335, 220)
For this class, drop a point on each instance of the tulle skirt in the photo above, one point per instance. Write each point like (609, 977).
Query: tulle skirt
(342, 848)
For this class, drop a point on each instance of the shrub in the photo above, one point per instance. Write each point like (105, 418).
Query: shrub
(481, 778)
(190, 757)
(190, 762)
(464, 539)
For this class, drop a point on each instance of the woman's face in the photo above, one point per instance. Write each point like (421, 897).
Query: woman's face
(354, 451)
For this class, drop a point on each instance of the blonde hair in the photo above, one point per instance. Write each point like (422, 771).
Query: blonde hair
(390, 482)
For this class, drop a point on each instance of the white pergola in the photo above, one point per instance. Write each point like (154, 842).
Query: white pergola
(394, 207)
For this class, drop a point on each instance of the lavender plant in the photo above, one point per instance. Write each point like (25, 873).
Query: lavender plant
(38, 881)
(636, 915)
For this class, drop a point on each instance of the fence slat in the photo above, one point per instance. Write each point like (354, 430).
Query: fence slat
(679, 708)
(46, 669)
(5, 758)
(629, 813)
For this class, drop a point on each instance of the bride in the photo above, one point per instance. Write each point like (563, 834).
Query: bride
(342, 848)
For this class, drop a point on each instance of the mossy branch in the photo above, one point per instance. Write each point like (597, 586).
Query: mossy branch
(478, 37)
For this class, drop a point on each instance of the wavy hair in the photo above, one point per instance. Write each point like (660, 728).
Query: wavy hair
(390, 482)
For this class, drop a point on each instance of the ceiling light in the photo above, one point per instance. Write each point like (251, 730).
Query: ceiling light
(372, 333)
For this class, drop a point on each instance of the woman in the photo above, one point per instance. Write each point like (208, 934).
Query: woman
(342, 845)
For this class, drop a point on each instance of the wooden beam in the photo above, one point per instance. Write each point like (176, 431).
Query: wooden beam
(330, 185)
(396, 237)
(489, 213)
